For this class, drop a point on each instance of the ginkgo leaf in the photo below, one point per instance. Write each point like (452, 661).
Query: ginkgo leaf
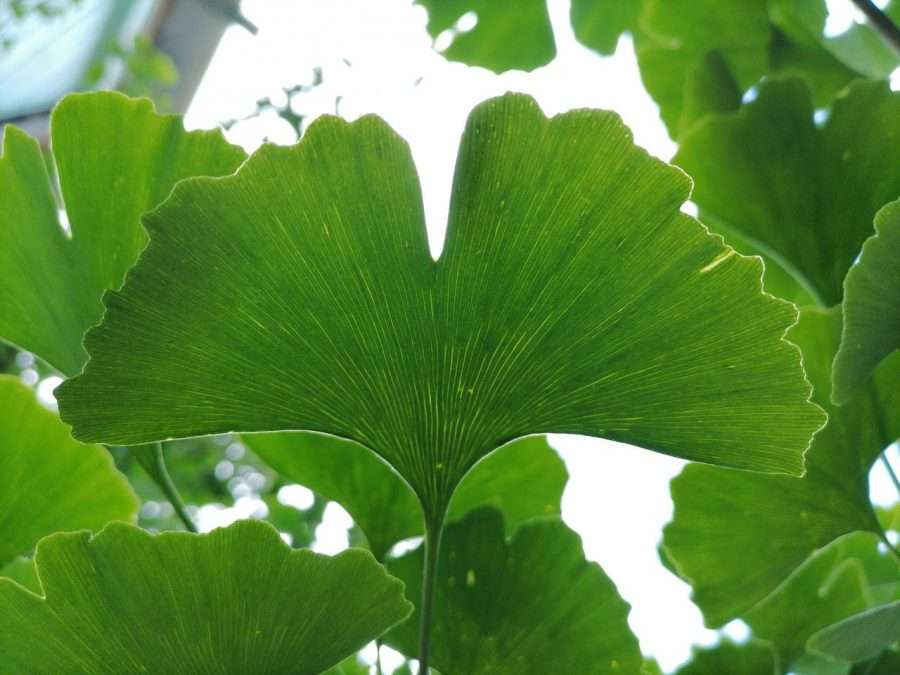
(523, 479)
(859, 637)
(736, 535)
(572, 296)
(50, 482)
(871, 306)
(831, 585)
(237, 600)
(749, 658)
(805, 195)
(22, 571)
(115, 159)
(598, 24)
(532, 605)
(506, 35)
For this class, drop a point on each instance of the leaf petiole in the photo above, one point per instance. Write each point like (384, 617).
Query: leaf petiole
(154, 464)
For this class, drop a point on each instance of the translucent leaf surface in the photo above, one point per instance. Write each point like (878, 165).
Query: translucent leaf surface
(49, 481)
(751, 658)
(300, 294)
(115, 159)
(530, 606)
(860, 637)
(237, 600)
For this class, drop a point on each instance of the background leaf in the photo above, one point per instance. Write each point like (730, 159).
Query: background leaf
(860, 637)
(235, 600)
(871, 306)
(530, 606)
(50, 482)
(115, 158)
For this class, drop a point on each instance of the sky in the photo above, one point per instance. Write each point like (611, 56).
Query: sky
(377, 58)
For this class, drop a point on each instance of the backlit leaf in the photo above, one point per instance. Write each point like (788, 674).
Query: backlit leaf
(750, 658)
(860, 637)
(300, 294)
(49, 481)
(115, 158)
(237, 600)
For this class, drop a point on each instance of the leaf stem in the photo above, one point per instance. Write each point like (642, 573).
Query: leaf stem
(378, 643)
(434, 528)
(887, 465)
(881, 22)
(155, 465)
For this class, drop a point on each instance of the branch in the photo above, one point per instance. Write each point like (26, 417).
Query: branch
(881, 22)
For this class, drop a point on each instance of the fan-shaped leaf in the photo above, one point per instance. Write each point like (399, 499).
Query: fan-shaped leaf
(871, 306)
(531, 606)
(523, 479)
(572, 296)
(750, 658)
(49, 481)
(736, 535)
(237, 600)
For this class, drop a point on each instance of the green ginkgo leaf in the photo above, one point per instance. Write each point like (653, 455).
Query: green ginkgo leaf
(871, 306)
(23, 572)
(572, 296)
(523, 479)
(859, 637)
(806, 195)
(736, 535)
(506, 35)
(830, 586)
(749, 658)
(115, 159)
(237, 600)
(598, 24)
(50, 482)
(530, 606)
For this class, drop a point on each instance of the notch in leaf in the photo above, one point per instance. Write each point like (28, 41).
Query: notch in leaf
(572, 296)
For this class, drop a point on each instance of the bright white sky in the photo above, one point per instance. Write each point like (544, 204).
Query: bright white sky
(617, 498)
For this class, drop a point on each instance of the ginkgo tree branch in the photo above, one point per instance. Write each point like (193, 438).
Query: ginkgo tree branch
(881, 22)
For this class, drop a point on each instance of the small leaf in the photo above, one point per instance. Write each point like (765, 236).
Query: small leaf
(237, 600)
(735, 535)
(860, 637)
(523, 479)
(49, 481)
(507, 35)
(531, 606)
(598, 24)
(871, 306)
(299, 294)
(805, 195)
(728, 658)
(116, 158)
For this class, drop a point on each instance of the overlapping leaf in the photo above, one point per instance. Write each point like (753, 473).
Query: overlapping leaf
(830, 586)
(736, 536)
(506, 36)
(805, 195)
(871, 306)
(523, 479)
(115, 159)
(860, 637)
(531, 606)
(237, 600)
(50, 482)
(300, 294)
